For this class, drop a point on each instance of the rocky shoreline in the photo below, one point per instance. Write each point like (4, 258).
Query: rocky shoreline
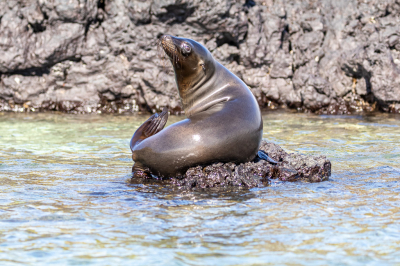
(333, 57)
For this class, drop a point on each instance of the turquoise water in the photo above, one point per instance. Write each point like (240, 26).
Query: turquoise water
(65, 198)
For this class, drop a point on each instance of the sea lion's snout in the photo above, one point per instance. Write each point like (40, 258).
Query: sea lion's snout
(166, 38)
(174, 47)
(168, 45)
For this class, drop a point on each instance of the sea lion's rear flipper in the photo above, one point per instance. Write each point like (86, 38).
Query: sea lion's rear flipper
(139, 171)
(150, 127)
(262, 155)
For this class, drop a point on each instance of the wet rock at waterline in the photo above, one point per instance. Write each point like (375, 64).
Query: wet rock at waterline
(101, 55)
(291, 167)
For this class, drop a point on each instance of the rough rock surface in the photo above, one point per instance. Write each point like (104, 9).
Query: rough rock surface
(290, 167)
(101, 55)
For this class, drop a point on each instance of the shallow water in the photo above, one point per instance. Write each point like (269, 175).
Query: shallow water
(65, 198)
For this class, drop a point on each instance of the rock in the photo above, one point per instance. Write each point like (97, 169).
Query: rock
(102, 56)
(291, 167)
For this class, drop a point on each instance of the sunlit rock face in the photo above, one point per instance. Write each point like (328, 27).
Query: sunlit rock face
(102, 56)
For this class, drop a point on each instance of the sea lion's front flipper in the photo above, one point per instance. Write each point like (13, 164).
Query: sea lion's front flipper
(262, 155)
(157, 123)
(150, 127)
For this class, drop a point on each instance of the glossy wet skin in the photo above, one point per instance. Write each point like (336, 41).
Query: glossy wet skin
(66, 198)
(223, 118)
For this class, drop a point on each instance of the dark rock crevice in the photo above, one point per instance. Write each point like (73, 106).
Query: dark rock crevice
(34, 71)
(37, 27)
(101, 4)
(176, 13)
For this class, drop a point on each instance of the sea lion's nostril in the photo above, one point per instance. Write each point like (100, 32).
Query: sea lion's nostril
(166, 38)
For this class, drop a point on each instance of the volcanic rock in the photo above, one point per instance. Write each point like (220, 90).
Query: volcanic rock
(102, 55)
(290, 167)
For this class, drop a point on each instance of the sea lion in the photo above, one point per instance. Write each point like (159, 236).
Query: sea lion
(223, 121)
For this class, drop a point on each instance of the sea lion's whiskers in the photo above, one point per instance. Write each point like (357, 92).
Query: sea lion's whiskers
(161, 54)
(160, 50)
(164, 53)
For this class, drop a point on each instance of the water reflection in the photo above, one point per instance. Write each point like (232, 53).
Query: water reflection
(65, 198)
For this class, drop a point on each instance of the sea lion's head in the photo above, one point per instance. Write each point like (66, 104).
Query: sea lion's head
(192, 62)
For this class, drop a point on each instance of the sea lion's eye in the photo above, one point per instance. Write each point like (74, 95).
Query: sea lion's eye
(186, 49)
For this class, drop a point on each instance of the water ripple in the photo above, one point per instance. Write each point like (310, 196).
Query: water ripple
(65, 198)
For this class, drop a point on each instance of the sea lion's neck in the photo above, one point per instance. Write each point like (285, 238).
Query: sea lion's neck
(189, 88)
(195, 93)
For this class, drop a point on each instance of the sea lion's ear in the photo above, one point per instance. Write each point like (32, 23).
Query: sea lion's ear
(203, 66)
